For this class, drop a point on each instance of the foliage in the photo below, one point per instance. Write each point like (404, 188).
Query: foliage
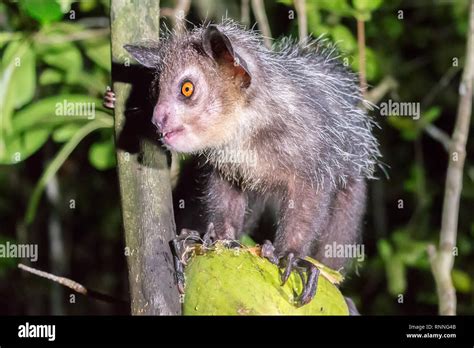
(51, 60)
(52, 51)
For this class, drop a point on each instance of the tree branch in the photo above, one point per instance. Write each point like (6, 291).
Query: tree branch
(300, 6)
(442, 83)
(442, 260)
(378, 92)
(142, 165)
(439, 135)
(258, 8)
(434, 132)
(71, 284)
(361, 46)
(245, 12)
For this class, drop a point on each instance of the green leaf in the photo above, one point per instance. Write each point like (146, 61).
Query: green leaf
(393, 26)
(94, 81)
(5, 37)
(338, 7)
(461, 281)
(286, 2)
(18, 82)
(415, 255)
(57, 162)
(99, 52)
(314, 19)
(44, 11)
(19, 147)
(66, 132)
(89, 5)
(431, 115)
(66, 4)
(66, 57)
(50, 76)
(407, 127)
(416, 176)
(32, 125)
(385, 249)
(45, 111)
(459, 10)
(102, 154)
(344, 38)
(17, 85)
(411, 129)
(371, 64)
(396, 275)
(366, 5)
(6, 101)
(23, 84)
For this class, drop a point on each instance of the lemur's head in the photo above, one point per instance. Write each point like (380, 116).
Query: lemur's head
(201, 88)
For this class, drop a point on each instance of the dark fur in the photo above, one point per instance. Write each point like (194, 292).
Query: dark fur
(294, 111)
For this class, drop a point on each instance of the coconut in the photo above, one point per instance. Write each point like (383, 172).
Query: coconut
(238, 281)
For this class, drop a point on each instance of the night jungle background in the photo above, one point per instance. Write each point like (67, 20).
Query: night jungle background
(62, 192)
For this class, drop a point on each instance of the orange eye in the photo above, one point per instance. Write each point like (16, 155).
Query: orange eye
(187, 89)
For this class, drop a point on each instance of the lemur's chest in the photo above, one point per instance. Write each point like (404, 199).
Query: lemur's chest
(249, 169)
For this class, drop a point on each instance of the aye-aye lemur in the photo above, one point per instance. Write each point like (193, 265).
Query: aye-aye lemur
(281, 124)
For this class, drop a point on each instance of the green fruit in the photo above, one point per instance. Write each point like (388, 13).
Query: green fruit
(226, 281)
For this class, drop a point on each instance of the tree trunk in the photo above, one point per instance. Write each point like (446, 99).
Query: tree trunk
(142, 167)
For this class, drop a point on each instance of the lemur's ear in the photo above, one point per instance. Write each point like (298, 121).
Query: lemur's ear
(217, 46)
(147, 56)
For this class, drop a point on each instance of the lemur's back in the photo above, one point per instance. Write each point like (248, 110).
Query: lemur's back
(283, 122)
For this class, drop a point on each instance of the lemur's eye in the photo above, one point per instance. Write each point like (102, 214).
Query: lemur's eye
(187, 89)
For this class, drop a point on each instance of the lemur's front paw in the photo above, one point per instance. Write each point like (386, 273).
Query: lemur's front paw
(308, 272)
(184, 242)
(109, 99)
(179, 247)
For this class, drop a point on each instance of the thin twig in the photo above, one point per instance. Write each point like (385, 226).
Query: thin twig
(442, 260)
(258, 8)
(245, 12)
(300, 7)
(361, 45)
(71, 284)
(439, 135)
(442, 83)
(434, 132)
(377, 93)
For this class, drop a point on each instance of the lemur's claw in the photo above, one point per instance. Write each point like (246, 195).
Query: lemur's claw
(210, 235)
(109, 98)
(268, 251)
(311, 285)
(186, 240)
(179, 246)
(308, 272)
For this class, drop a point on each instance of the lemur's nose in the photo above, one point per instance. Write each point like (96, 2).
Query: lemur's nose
(160, 115)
